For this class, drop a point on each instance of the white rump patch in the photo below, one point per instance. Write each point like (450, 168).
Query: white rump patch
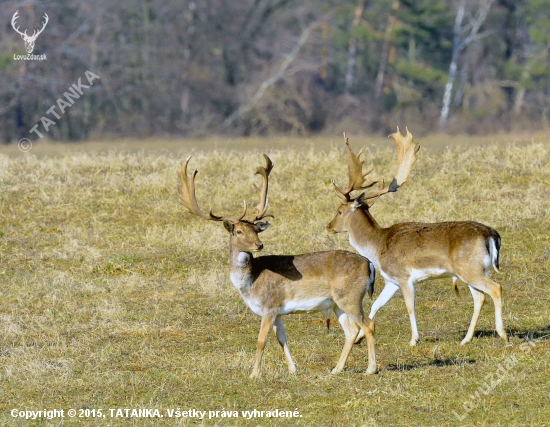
(487, 263)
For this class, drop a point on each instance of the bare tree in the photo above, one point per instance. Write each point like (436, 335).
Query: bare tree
(463, 36)
(279, 75)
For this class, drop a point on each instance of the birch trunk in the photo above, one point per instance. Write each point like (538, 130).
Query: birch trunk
(453, 67)
(459, 44)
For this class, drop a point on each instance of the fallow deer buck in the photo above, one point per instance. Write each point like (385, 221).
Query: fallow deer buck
(275, 285)
(411, 252)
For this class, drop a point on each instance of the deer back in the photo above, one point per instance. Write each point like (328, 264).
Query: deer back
(279, 280)
(444, 245)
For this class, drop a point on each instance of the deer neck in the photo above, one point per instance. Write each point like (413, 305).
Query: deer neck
(366, 235)
(240, 267)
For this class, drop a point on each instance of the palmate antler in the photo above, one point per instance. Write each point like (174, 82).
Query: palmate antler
(186, 192)
(264, 172)
(355, 174)
(406, 156)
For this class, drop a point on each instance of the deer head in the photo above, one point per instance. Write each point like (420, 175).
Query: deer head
(244, 234)
(406, 156)
(29, 40)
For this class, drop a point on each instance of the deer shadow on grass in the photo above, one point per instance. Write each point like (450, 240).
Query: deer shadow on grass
(449, 361)
(542, 333)
(527, 334)
(402, 367)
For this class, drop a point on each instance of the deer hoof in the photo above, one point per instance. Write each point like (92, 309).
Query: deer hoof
(371, 371)
(465, 341)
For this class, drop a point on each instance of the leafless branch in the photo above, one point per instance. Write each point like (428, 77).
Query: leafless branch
(281, 73)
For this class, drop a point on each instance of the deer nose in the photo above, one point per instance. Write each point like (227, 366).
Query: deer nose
(259, 245)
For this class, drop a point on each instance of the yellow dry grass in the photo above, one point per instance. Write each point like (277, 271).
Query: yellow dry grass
(113, 297)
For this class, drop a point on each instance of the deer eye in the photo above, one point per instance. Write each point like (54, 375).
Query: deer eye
(339, 212)
(239, 232)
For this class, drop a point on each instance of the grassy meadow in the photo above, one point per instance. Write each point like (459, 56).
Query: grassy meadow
(112, 296)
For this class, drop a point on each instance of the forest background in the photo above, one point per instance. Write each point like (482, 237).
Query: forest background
(272, 67)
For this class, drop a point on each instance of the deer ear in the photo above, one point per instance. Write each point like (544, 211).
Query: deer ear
(358, 202)
(229, 226)
(262, 225)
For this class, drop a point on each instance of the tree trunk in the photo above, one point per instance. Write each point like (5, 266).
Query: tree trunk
(272, 80)
(385, 53)
(519, 99)
(352, 52)
(324, 54)
(460, 44)
(452, 69)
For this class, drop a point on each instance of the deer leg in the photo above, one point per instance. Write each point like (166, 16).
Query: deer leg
(387, 293)
(495, 290)
(281, 337)
(408, 295)
(265, 328)
(350, 330)
(499, 324)
(486, 285)
(479, 299)
(367, 326)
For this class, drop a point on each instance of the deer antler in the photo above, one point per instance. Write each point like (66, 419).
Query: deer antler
(355, 174)
(186, 191)
(264, 172)
(406, 156)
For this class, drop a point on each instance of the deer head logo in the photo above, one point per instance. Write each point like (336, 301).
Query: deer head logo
(29, 41)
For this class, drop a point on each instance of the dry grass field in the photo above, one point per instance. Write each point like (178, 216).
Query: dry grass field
(112, 296)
